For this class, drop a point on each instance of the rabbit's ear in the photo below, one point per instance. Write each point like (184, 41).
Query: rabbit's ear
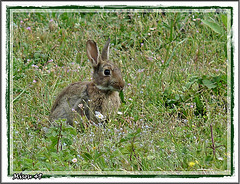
(105, 51)
(92, 52)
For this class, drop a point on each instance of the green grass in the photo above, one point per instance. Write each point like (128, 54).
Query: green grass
(175, 71)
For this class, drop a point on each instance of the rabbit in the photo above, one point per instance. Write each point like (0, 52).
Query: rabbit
(101, 95)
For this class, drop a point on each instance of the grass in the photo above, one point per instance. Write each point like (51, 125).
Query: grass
(175, 113)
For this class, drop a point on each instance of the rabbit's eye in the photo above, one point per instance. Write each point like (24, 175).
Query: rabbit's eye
(107, 72)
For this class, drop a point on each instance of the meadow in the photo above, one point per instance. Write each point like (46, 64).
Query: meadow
(174, 114)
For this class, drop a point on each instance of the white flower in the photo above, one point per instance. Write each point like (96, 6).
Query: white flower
(80, 106)
(220, 158)
(152, 28)
(120, 113)
(99, 115)
(74, 160)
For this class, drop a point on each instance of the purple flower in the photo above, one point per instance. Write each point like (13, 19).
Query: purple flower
(21, 21)
(51, 20)
(140, 70)
(28, 28)
(51, 60)
(35, 66)
(162, 61)
(217, 70)
(150, 58)
(34, 81)
(197, 31)
(141, 44)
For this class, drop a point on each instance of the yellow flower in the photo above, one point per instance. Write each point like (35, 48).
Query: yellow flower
(94, 147)
(196, 162)
(191, 164)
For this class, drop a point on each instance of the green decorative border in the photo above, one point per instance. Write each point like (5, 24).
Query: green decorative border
(115, 8)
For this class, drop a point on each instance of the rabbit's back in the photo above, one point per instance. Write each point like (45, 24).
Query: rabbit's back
(67, 99)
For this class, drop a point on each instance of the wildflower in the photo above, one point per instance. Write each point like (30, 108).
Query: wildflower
(51, 20)
(51, 60)
(120, 113)
(80, 106)
(140, 70)
(152, 28)
(191, 106)
(191, 164)
(220, 158)
(197, 31)
(150, 58)
(99, 115)
(77, 25)
(75, 122)
(129, 84)
(141, 44)
(21, 21)
(94, 147)
(34, 66)
(34, 81)
(73, 110)
(74, 160)
(217, 70)
(28, 28)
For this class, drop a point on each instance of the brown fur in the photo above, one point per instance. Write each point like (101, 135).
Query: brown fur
(100, 95)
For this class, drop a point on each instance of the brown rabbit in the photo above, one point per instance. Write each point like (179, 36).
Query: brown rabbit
(101, 95)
